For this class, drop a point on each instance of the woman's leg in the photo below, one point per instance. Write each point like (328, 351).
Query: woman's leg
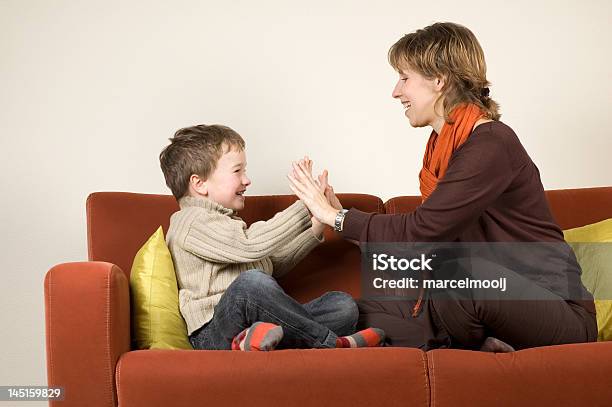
(526, 315)
(395, 318)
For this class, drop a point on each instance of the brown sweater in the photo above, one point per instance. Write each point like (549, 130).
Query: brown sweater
(491, 192)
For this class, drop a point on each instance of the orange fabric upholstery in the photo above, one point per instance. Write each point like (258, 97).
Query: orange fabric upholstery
(314, 377)
(87, 318)
(402, 204)
(572, 208)
(119, 223)
(564, 375)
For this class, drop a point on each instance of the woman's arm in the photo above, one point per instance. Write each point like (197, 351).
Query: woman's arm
(478, 173)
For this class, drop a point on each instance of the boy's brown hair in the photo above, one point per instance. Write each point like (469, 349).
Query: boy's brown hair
(195, 150)
(451, 51)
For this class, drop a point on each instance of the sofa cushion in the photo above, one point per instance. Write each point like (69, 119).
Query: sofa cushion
(592, 245)
(561, 375)
(581, 206)
(156, 319)
(119, 223)
(311, 377)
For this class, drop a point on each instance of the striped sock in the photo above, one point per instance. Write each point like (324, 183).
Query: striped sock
(362, 339)
(260, 336)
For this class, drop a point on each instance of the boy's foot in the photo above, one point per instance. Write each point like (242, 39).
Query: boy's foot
(492, 344)
(362, 339)
(260, 336)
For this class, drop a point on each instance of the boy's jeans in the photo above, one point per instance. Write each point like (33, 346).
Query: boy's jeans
(255, 296)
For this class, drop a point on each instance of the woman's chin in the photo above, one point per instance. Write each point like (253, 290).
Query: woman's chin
(414, 122)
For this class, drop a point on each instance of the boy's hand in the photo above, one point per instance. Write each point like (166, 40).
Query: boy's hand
(317, 227)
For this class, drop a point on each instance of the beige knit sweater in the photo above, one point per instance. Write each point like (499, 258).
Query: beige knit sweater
(210, 247)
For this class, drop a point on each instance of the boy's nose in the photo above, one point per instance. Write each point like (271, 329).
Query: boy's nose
(246, 181)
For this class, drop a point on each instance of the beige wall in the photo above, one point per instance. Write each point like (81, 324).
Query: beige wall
(90, 92)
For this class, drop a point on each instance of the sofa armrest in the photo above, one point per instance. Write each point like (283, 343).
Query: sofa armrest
(87, 318)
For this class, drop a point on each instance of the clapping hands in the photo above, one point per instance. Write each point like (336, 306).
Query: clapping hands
(317, 195)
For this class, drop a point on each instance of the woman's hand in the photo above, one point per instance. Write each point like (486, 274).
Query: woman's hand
(317, 227)
(328, 190)
(309, 191)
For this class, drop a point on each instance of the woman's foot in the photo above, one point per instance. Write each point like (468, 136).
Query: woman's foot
(492, 344)
(261, 336)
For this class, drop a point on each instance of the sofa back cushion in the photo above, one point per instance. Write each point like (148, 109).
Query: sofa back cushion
(119, 223)
(570, 207)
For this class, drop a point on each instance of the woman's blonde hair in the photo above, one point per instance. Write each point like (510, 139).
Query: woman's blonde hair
(450, 51)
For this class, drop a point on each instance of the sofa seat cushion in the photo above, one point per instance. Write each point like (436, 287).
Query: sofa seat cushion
(310, 377)
(561, 375)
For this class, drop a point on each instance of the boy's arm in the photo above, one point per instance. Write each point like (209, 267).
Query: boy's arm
(221, 239)
(291, 254)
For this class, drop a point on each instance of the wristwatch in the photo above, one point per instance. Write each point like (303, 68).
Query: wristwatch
(339, 221)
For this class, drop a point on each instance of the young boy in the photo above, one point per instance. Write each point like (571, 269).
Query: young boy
(227, 293)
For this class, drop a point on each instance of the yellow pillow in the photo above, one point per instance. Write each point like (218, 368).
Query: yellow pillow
(156, 320)
(593, 247)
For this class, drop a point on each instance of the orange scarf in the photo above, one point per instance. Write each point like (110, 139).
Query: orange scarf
(441, 147)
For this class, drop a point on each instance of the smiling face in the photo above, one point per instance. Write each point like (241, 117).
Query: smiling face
(228, 182)
(418, 95)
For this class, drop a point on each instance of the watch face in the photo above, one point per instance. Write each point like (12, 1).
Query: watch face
(339, 220)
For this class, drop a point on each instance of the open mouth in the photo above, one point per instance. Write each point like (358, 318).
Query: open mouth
(241, 193)
(407, 105)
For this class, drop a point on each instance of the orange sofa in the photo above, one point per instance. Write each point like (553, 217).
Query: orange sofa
(88, 332)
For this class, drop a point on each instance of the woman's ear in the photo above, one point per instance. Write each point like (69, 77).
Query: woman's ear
(439, 83)
(198, 185)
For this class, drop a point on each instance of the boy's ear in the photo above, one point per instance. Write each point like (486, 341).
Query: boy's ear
(198, 185)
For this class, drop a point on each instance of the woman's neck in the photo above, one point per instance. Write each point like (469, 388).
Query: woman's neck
(437, 124)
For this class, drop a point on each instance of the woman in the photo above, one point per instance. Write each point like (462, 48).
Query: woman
(478, 184)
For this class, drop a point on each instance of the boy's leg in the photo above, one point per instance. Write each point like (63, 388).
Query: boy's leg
(336, 310)
(256, 297)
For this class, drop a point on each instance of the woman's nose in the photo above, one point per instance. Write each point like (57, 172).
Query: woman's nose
(396, 90)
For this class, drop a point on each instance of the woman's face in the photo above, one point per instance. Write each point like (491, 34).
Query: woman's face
(418, 95)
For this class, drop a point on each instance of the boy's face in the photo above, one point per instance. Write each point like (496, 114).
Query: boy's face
(228, 182)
